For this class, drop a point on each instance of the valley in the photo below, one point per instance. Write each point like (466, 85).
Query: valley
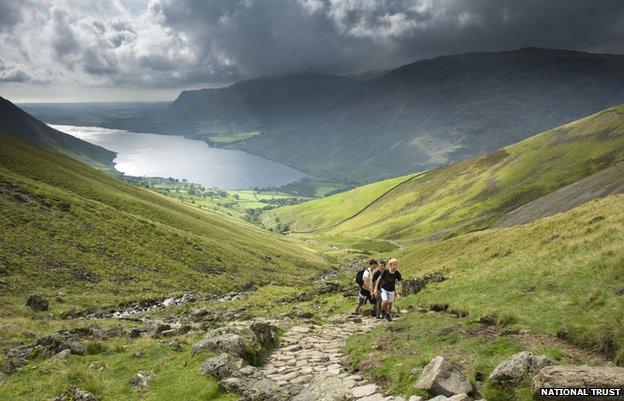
(122, 287)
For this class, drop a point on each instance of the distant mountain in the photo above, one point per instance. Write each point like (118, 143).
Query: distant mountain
(438, 111)
(413, 118)
(263, 104)
(16, 122)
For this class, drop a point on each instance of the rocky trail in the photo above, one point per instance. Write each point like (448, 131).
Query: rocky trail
(306, 352)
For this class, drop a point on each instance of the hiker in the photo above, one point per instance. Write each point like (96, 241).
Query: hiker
(364, 278)
(376, 274)
(386, 283)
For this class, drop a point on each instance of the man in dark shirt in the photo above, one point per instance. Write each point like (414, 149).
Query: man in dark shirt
(382, 267)
(386, 283)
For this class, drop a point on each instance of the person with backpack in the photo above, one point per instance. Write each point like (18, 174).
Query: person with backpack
(376, 274)
(364, 279)
(386, 283)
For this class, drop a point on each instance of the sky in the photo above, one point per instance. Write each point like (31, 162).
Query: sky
(140, 50)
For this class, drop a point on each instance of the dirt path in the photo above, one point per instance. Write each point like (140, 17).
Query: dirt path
(306, 351)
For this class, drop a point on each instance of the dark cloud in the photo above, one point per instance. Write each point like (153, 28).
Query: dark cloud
(175, 43)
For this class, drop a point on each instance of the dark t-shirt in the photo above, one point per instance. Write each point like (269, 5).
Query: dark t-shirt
(376, 276)
(388, 280)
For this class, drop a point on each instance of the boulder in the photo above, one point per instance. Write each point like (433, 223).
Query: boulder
(513, 370)
(440, 377)
(140, 380)
(325, 388)
(251, 342)
(37, 303)
(230, 343)
(578, 377)
(221, 366)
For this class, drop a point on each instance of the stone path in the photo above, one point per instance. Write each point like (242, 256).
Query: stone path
(306, 351)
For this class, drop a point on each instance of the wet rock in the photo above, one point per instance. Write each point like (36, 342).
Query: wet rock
(140, 380)
(577, 377)
(513, 370)
(443, 378)
(37, 303)
(221, 366)
(325, 387)
(75, 394)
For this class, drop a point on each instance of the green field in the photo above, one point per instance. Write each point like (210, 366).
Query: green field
(469, 195)
(233, 202)
(232, 138)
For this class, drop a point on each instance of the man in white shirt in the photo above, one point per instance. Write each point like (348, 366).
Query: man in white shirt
(367, 286)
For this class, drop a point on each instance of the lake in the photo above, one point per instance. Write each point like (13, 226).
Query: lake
(153, 155)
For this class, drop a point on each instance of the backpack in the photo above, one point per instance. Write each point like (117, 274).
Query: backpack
(359, 277)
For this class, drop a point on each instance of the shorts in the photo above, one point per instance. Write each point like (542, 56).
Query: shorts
(387, 296)
(364, 297)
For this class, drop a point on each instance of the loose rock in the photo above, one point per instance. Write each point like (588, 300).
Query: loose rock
(221, 366)
(140, 380)
(37, 303)
(441, 377)
(61, 355)
(513, 370)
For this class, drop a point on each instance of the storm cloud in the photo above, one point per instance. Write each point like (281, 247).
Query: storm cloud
(178, 43)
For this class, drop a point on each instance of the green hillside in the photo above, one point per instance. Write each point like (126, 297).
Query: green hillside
(554, 286)
(69, 228)
(20, 124)
(475, 194)
(328, 212)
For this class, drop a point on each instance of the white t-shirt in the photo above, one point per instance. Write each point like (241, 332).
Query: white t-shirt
(367, 280)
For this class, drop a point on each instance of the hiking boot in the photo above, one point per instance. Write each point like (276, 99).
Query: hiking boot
(388, 318)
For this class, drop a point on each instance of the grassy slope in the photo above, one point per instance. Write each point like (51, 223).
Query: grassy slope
(18, 123)
(327, 212)
(473, 194)
(67, 227)
(556, 275)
